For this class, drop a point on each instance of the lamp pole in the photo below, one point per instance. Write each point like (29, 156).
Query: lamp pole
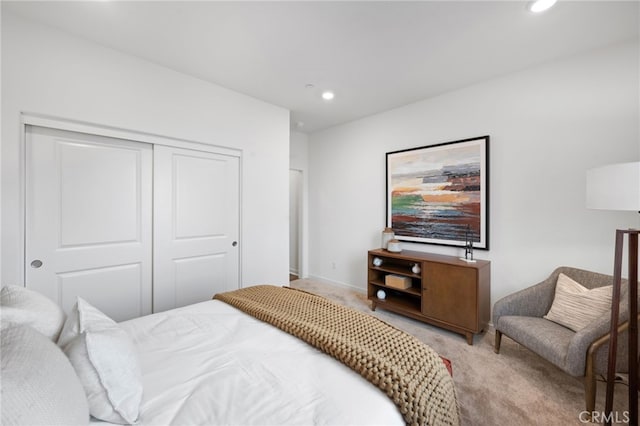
(633, 324)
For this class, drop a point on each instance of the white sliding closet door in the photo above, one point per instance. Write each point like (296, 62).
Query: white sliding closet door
(88, 220)
(196, 226)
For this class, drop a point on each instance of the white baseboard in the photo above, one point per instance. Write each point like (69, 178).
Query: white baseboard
(338, 283)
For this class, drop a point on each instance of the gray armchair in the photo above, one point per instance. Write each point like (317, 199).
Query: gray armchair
(581, 354)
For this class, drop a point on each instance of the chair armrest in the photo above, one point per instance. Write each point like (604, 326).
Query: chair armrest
(583, 339)
(579, 345)
(533, 301)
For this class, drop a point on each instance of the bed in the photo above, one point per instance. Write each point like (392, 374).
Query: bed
(211, 364)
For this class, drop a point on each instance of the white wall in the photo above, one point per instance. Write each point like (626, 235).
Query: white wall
(299, 161)
(1, 97)
(299, 151)
(48, 72)
(548, 125)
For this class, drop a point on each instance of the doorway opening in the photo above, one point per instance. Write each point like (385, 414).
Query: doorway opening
(295, 224)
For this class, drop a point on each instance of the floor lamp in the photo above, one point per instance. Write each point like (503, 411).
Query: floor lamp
(617, 187)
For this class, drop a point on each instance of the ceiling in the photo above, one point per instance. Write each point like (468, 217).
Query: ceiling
(374, 55)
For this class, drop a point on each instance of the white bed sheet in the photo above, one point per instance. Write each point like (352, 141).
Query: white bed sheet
(211, 364)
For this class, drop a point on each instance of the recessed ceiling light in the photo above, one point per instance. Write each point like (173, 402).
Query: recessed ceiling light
(327, 95)
(541, 5)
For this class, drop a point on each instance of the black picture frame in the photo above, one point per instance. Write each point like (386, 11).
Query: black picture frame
(439, 194)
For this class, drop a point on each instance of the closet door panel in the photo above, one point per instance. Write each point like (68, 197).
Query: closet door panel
(197, 277)
(88, 220)
(196, 226)
(108, 286)
(199, 212)
(100, 197)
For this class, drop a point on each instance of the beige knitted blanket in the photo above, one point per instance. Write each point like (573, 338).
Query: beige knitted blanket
(407, 370)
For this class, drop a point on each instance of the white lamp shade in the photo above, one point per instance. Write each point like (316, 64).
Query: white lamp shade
(614, 187)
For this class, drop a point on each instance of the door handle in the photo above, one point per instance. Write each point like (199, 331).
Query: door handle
(36, 264)
(235, 243)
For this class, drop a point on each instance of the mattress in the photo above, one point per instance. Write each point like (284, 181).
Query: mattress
(210, 364)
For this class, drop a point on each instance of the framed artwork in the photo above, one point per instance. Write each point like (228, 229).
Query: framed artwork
(439, 194)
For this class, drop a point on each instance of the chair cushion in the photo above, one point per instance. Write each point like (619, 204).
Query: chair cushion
(574, 306)
(545, 338)
(39, 386)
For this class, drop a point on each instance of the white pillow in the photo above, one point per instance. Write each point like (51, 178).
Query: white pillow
(107, 364)
(39, 386)
(82, 317)
(575, 306)
(21, 306)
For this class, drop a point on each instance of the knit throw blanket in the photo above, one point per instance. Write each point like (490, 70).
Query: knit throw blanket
(408, 371)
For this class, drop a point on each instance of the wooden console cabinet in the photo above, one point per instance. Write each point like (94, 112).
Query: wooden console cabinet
(447, 292)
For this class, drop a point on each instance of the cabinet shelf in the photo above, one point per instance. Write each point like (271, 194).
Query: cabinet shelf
(414, 291)
(397, 271)
(448, 292)
(399, 304)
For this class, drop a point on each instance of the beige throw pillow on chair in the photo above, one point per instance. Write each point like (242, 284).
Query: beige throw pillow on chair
(575, 306)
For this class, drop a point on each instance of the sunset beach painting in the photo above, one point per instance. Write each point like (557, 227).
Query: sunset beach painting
(438, 194)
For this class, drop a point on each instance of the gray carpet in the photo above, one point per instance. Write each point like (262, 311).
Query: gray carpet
(515, 387)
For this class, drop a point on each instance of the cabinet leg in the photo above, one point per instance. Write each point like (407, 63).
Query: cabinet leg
(469, 338)
(373, 305)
